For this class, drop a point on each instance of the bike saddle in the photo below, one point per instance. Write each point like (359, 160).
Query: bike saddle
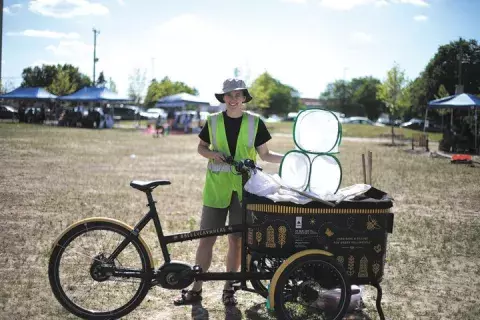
(148, 185)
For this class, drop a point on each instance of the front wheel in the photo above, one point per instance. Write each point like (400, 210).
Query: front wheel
(312, 286)
(89, 284)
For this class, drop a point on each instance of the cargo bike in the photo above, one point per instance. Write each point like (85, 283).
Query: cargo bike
(302, 258)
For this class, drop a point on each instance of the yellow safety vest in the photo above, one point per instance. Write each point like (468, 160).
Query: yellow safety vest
(221, 180)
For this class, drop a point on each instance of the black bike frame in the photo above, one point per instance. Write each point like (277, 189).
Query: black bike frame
(152, 214)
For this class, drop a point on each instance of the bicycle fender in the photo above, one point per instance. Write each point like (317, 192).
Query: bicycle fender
(283, 266)
(104, 219)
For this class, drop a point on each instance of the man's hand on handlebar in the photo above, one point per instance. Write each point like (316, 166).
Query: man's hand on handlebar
(218, 156)
(243, 166)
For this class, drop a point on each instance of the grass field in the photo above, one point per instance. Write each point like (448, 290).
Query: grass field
(52, 177)
(348, 130)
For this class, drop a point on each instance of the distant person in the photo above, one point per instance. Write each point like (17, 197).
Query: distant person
(187, 121)
(170, 120)
(159, 128)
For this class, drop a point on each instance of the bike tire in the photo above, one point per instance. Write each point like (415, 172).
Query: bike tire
(331, 268)
(74, 232)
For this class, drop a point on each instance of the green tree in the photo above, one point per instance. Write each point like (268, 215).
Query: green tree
(273, 97)
(166, 87)
(364, 92)
(101, 79)
(62, 85)
(357, 97)
(44, 76)
(7, 86)
(394, 92)
(137, 85)
(442, 93)
(453, 63)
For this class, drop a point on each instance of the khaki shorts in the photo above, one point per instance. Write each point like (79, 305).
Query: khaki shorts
(213, 218)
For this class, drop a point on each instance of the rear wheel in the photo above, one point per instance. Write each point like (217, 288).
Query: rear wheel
(83, 279)
(312, 287)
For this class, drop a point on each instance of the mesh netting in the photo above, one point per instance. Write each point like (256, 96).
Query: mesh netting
(312, 167)
(317, 131)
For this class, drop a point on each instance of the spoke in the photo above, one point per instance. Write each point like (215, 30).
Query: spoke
(80, 253)
(115, 290)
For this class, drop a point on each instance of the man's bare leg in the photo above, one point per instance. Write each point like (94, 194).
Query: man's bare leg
(204, 258)
(233, 256)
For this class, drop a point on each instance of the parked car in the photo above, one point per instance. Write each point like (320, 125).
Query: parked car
(7, 112)
(359, 120)
(418, 124)
(291, 116)
(152, 114)
(125, 112)
(274, 118)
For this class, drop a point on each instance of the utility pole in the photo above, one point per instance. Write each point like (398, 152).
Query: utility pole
(95, 59)
(1, 44)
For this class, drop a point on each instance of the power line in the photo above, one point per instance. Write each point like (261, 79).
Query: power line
(95, 59)
(1, 40)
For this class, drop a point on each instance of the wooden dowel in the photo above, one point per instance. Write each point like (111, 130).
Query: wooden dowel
(370, 160)
(364, 172)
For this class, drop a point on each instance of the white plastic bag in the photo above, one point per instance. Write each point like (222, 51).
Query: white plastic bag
(261, 184)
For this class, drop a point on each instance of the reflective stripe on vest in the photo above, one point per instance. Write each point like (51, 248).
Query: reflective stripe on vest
(213, 131)
(219, 167)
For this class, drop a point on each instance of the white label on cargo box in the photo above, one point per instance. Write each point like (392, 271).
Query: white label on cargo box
(298, 223)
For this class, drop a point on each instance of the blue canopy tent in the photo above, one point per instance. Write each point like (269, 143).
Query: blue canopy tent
(35, 93)
(458, 101)
(180, 100)
(94, 94)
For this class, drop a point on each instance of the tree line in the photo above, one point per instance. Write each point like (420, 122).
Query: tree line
(457, 62)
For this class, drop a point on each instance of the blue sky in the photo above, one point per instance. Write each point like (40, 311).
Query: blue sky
(303, 43)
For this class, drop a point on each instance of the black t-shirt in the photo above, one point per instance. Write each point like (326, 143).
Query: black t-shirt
(232, 129)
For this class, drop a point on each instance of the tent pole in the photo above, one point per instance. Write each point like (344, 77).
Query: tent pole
(476, 131)
(451, 119)
(425, 123)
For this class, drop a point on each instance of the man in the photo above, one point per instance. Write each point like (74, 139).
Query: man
(230, 133)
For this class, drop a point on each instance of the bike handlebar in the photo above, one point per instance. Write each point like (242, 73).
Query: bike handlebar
(242, 166)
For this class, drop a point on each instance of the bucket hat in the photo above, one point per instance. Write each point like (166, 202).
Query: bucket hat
(230, 85)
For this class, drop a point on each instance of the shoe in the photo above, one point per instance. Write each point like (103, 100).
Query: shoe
(188, 297)
(228, 297)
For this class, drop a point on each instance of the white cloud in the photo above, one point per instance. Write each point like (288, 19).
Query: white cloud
(121, 2)
(47, 62)
(295, 1)
(67, 8)
(71, 48)
(45, 34)
(361, 38)
(344, 5)
(14, 8)
(73, 52)
(419, 3)
(420, 17)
